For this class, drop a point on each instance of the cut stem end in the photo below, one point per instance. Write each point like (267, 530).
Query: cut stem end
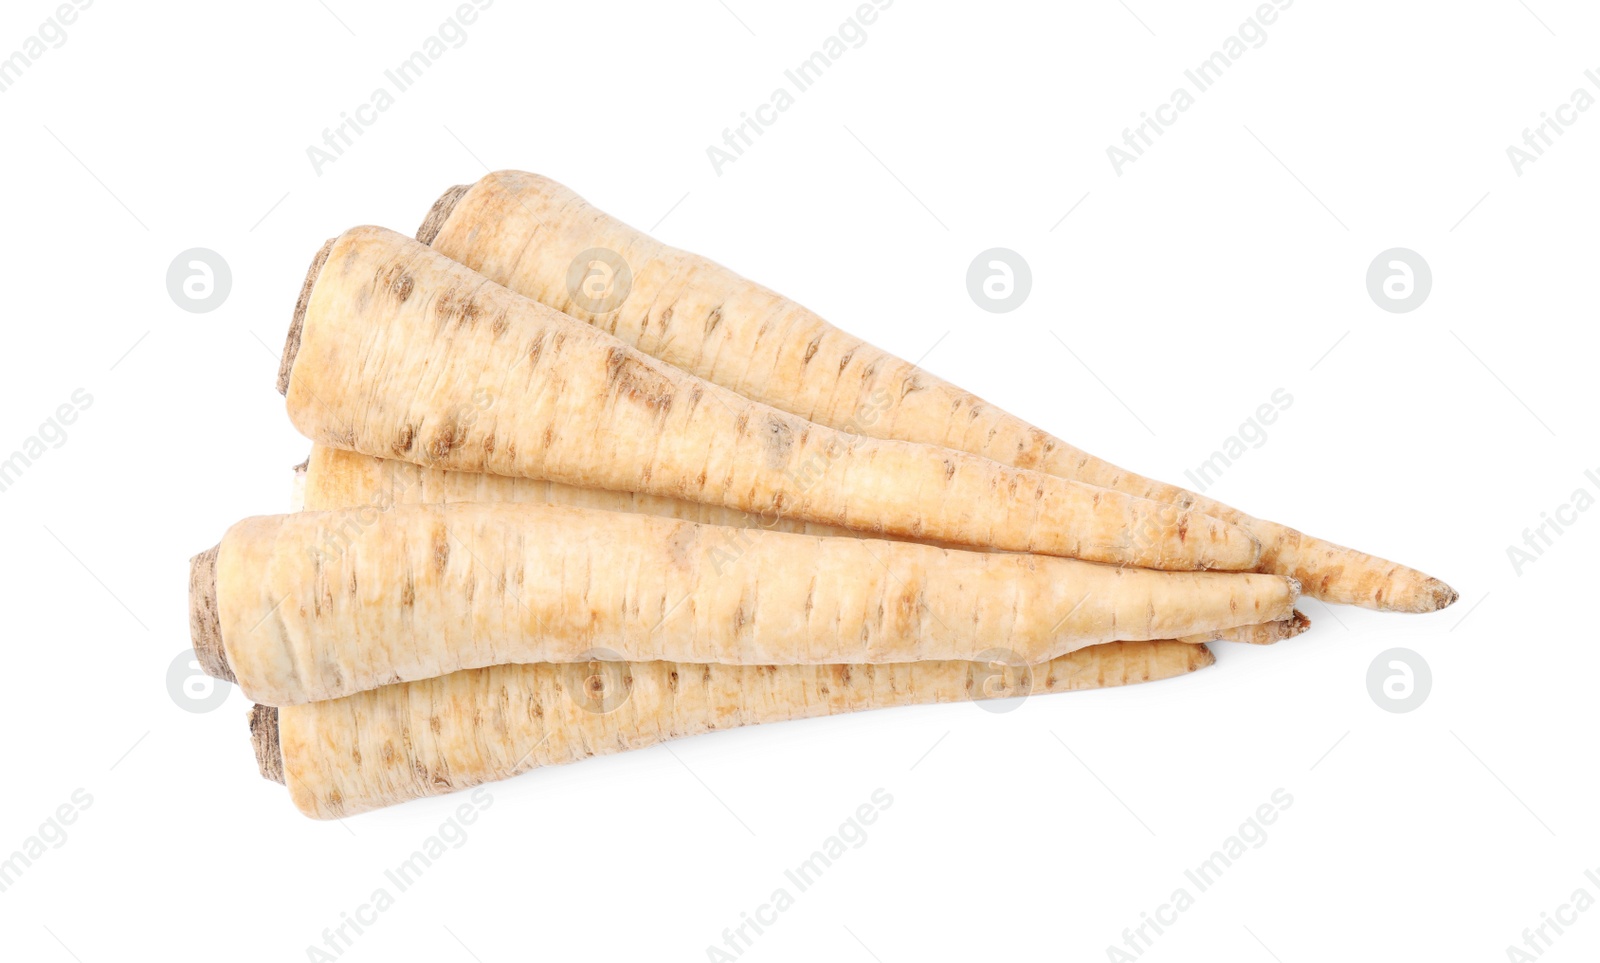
(264, 738)
(291, 344)
(440, 212)
(205, 623)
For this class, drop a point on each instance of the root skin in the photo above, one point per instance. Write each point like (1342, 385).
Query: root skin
(436, 736)
(318, 605)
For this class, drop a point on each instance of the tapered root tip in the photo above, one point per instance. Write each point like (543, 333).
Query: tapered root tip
(1443, 595)
(291, 344)
(440, 212)
(1419, 594)
(205, 624)
(264, 739)
(1274, 632)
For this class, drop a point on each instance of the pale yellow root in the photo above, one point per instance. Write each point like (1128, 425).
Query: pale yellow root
(401, 352)
(526, 232)
(426, 738)
(368, 750)
(322, 604)
(332, 478)
(336, 478)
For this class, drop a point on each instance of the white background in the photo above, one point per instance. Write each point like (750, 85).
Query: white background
(1226, 263)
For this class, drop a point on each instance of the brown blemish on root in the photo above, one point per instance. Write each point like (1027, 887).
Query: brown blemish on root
(441, 550)
(779, 440)
(440, 212)
(205, 623)
(448, 438)
(630, 377)
(291, 344)
(264, 739)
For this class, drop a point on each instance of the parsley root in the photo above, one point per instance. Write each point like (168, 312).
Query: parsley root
(316, 605)
(398, 351)
(524, 231)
